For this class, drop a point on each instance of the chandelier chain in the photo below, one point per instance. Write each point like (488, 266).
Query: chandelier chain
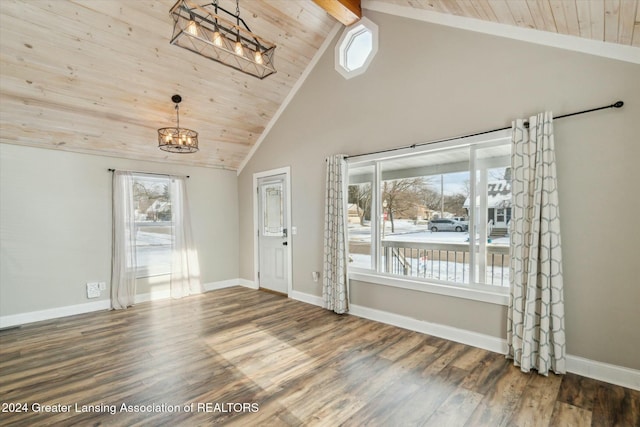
(238, 19)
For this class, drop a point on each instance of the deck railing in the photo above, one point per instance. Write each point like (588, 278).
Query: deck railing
(445, 261)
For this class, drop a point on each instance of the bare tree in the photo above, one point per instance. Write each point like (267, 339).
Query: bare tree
(145, 193)
(499, 174)
(454, 203)
(360, 195)
(432, 198)
(401, 197)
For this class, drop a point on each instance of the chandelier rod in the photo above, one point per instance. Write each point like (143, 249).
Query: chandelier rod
(217, 6)
(238, 19)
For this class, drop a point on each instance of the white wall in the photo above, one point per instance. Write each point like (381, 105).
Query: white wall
(55, 225)
(429, 82)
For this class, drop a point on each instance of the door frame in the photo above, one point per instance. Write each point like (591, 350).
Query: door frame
(256, 228)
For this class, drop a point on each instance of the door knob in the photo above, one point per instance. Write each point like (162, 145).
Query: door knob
(284, 243)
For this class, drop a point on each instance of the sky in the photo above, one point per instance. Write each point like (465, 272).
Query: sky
(457, 182)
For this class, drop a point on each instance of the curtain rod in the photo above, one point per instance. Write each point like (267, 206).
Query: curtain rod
(617, 104)
(149, 173)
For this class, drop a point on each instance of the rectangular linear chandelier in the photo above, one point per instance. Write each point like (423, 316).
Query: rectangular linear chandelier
(201, 29)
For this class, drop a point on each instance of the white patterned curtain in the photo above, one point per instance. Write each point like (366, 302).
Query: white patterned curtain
(123, 263)
(335, 294)
(185, 269)
(535, 326)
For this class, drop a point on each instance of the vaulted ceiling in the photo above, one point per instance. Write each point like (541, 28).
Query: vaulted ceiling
(97, 76)
(614, 21)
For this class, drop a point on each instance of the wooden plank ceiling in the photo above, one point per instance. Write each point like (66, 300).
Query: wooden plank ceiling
(97, 76)
(614, 21)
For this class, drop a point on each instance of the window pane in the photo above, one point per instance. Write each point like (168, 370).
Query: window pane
(273, 209)
(430, 210)
(359, 212)
(358, 49)
(154, 234)
(424, 231)
(493, 213)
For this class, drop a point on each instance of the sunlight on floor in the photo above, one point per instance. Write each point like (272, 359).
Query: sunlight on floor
(273, 368)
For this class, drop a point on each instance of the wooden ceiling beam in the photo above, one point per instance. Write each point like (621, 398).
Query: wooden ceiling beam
(345, 11)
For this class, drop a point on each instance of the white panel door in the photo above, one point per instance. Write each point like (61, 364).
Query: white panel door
(273, 245)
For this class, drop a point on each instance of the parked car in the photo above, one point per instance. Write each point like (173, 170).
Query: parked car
(460, 219)
(447, 224)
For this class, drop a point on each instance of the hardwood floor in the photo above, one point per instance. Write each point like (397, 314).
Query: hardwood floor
(244, 357)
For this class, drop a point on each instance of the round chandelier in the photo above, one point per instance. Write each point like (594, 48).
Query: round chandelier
(175, 139)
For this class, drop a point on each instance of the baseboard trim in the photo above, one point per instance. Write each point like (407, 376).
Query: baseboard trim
(57, 312)
(463, 336)
(304, 297)
(613, 374)
(247, 283)
(475, 339)
(213, 286)
(53, 313)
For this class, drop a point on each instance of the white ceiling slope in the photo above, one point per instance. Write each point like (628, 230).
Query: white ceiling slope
(96, 76)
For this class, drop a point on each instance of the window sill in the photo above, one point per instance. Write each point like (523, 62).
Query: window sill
(146, 275)
(499, 297)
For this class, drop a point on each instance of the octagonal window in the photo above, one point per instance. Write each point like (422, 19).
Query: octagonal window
(356, 48)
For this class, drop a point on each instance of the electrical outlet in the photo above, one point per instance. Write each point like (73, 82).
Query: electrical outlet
(93, 290)
(103, 286)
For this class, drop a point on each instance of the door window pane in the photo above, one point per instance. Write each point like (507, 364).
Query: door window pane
(273, 208)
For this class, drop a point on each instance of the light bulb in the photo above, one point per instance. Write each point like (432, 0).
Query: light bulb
(217, 39)
(189, 141)
(192, 28)
(238, 49)
(258, 57)
(168, 138)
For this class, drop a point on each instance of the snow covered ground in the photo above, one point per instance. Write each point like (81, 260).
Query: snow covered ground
(456, 272)
(408, 231)
(153, 248)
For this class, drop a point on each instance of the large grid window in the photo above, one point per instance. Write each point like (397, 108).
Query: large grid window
(439, 216)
